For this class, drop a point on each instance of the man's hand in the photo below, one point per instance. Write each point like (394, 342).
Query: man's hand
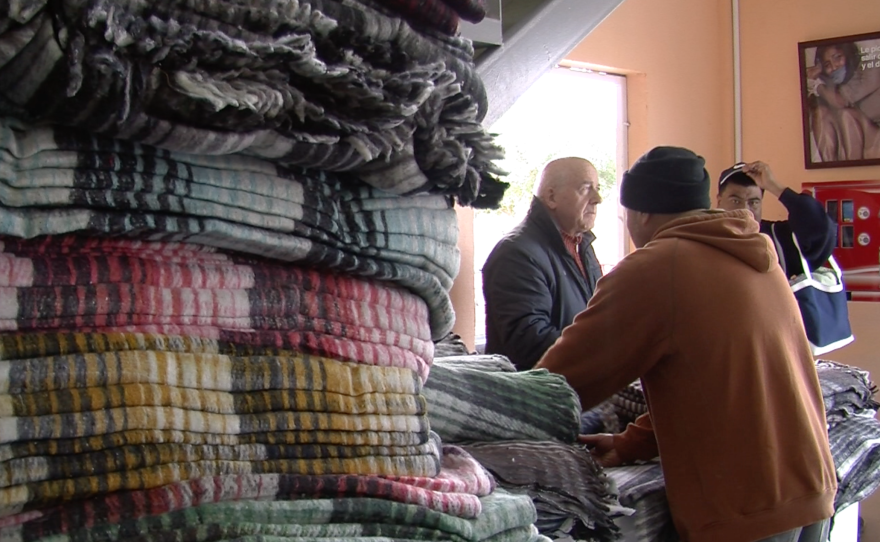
(763, 177)
(601, 447)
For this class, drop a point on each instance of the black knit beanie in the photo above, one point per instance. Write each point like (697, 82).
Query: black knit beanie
(666, 180)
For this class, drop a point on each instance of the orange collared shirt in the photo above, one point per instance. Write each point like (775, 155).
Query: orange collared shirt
(571, 244)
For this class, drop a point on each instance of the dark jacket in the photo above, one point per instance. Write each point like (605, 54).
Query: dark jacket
(533, 288)
(816, 232)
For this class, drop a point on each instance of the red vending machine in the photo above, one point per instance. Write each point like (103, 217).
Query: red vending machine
(855, 206)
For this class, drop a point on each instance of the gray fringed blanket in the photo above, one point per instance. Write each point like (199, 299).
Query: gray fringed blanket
(855, 446)
(847, 391)
(571, 493)
(642, 488)
(470, 403)
(324, 84)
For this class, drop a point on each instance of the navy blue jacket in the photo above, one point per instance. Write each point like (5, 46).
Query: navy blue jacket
(533, 288)
(816, 232)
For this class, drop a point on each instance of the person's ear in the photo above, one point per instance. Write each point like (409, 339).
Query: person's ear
(550, 199)
(643, 218)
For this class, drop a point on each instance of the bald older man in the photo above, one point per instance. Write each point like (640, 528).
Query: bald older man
(544, 271)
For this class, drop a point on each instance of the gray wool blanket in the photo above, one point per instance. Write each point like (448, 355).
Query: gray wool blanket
(572, 495)
(57, 181)
(467, 402)
(643, 489)
(855, 446)
(846, 391)
(326, 84)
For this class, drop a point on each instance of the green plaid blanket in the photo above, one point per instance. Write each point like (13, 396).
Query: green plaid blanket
(472, 403)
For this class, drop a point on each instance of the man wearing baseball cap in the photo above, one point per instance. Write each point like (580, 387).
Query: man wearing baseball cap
(742, 186)
(704, 315)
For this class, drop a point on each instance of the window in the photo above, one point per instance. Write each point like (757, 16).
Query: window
(568, 112)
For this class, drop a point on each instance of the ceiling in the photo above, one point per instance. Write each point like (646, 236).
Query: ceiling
(534, 36)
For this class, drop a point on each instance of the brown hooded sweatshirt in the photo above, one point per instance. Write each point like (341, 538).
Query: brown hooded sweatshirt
(704, 316)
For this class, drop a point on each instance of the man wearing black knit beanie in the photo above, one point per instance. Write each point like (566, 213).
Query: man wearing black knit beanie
(704, 315)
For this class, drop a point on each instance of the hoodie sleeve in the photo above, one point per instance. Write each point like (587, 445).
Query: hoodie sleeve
(624, 331)
(815, 231)
(637, 442)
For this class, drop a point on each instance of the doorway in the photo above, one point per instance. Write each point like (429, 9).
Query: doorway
(570, 111)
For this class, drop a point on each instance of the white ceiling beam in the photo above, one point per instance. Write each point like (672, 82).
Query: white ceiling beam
(535, 45)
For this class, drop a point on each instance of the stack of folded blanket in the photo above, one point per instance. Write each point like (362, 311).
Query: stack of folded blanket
(227, 240)
(335, 85)
(56, 181)
(521, 426)
(853, 430)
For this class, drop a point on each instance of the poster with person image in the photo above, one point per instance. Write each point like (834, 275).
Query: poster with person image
(840, 93)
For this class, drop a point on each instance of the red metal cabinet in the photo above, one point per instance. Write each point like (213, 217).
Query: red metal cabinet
(855, 206)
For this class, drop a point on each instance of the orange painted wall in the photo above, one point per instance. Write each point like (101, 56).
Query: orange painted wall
(678, 59)
(772, 131)
(677, 55)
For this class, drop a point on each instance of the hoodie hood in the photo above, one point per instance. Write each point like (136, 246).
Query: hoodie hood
(733, 232)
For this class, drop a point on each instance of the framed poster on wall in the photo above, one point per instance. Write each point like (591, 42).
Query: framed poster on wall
(840, 97)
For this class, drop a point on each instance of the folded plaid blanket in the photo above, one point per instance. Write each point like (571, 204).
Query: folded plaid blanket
(61, 181)
(286, 370)
(278, 500)
(642, 488)
(75, 400)
(217, 311)
(202, 371)
(15, 346)
(229, 236)
(450, 345)
(332, 85)
(297, 444)
(14, 499)
(97, 422)
(571, 493)
(855, 446)
(466, 403)
(57, 167)
(460, 473)
(455, 490)
(482, 362)
(847, 391)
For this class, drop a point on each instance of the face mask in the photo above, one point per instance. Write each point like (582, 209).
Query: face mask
(837, 76)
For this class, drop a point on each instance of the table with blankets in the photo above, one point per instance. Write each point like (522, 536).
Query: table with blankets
(853, 431)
